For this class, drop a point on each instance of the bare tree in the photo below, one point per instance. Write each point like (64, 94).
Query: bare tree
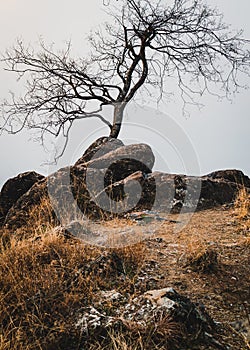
(145, 44)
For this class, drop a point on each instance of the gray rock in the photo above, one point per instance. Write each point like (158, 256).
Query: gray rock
(112, 179)
(102, 145)
(18, 215)
(231, 175)
(14, 188)
(140, 152)
(149, 310)
(93, 319)
(123, 162)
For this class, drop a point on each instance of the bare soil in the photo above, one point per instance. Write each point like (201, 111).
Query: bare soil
(208, 261)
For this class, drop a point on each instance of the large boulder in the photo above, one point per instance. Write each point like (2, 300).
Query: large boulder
(231, 175)
(113, 179)
(102, 145)
(112, 162)
(193, 192)
(158, 191)
(135, 192)
(14, 188)
(19, 213)
(104, 177)
(123, 162)
(81, 188)
(176, 192)
(172, 193)
(215, 192)
(56, 193)
(139, 152)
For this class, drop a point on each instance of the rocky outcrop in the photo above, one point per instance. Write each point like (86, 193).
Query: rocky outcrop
(139, 152)
(98, 185)
(15, 188)
(102, 145)
(172, 193)
(83, 185)
(231, 175)
(19, 213)
(123, 161)
(178, 192)
(137, 191)
(155, 309)
(217, 192)
(113, 179)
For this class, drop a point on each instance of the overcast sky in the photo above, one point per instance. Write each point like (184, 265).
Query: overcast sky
(218, 135)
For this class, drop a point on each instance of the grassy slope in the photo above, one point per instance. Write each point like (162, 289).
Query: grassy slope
(46, 278)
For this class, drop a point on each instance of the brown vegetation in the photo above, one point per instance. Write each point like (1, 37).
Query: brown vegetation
(46, 279)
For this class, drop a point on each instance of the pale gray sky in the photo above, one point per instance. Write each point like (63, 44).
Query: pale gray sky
(219, 132)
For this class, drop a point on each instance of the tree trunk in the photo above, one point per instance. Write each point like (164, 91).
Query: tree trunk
(117, 120)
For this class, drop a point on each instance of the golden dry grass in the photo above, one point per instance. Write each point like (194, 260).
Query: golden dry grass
(242, 209)
(199, 256)
(46, 279)
(38, 291)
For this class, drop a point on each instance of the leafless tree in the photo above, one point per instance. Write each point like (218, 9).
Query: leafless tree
(145, 44)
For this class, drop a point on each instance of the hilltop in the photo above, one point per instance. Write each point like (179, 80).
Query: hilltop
(183, 284)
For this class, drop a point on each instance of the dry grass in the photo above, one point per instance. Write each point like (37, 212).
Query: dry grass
(135, 339)
(200, 256)
(46, 279)
(164, 335)
(39, 289)
(242, 209)
(39, 220)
